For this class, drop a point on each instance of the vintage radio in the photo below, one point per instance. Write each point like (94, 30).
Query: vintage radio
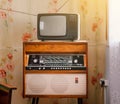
(56, 62)
(55, 69)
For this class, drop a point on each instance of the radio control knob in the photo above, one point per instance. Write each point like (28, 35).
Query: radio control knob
(35, 60)
(75, 61)
(41, 61)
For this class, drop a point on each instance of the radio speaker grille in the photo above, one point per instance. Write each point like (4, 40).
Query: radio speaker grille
(55, 84)
(59, 84)
(37, 86)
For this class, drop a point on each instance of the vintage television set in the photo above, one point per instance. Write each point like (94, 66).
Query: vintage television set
(58, 26)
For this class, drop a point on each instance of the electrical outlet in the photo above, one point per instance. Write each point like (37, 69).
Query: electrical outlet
(104, 82)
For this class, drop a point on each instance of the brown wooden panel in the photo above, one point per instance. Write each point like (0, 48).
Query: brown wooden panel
(56, 71)
(56, 47)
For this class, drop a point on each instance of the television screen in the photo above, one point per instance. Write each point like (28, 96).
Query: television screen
(52, 26)
(58, 26)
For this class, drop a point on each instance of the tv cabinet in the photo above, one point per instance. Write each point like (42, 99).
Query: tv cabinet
(55, 82)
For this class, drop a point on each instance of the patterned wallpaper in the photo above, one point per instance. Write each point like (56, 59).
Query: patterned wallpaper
(18, 24)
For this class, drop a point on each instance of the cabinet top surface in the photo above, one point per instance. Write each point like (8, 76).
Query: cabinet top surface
(58, 42)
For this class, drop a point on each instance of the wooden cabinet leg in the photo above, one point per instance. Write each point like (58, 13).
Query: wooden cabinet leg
(35, 100)
(80, 101)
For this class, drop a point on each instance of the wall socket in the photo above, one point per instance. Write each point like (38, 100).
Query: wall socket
(104, 82)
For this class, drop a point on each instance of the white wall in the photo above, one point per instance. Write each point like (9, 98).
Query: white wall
(112, 53)
(114, 19)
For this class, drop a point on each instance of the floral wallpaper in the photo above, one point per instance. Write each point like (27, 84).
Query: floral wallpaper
(18, 24)
(7, 66)
(6, 61)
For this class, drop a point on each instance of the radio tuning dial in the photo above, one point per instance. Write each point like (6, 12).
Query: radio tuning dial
(35, 60)
(76, 61)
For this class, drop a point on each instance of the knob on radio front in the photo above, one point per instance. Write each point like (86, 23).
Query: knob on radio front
(35, 60)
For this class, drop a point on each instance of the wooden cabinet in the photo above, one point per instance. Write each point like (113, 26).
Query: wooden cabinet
(55, 82)
(6, 93)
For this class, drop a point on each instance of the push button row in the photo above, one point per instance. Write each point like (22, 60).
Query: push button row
(55, 68)
(60, 68)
